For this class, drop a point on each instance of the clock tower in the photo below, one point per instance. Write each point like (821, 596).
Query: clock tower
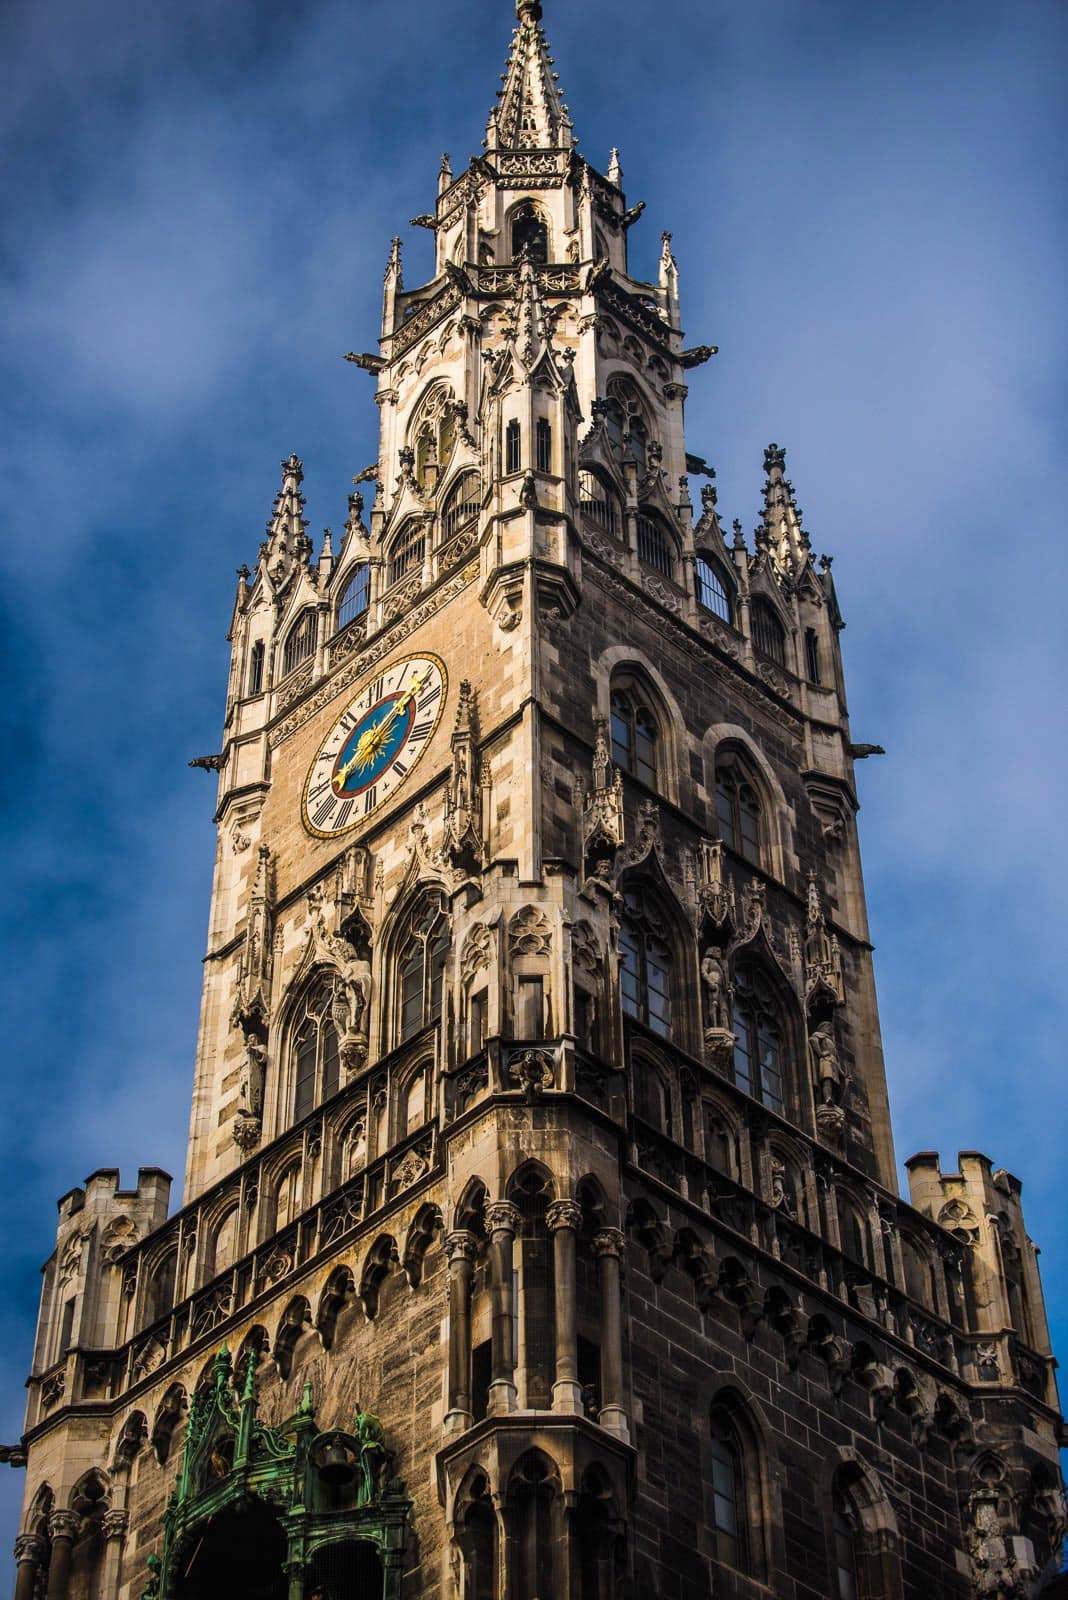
(540, 1234)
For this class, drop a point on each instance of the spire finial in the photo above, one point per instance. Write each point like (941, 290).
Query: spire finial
(530, 113)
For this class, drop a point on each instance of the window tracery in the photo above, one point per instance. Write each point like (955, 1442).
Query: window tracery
(461, 504)
(713, 589)
(758, 1038)
(355, 597)
(407, 550)
(645, 969)
(769, 636)
(316, 1058)
(420, 967)
(738, 807)
(300, 641)
(634, 731)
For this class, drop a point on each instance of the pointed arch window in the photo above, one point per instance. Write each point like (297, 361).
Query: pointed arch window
(812, 656)
(421, 968)
(655, 545)
(635, 733)
(316, 1066)
(530, 233)
(355, 597)
(758, 1038)
(645, 966)
(407, 551)
(738, 808)
(599, 503)
(461, 504)
(513, 454)
(543, 445)
(432, 435)
(255, 668)
(845, 1526)
(769, 635)
(729, 1510)
(300, 641)
(713, 591)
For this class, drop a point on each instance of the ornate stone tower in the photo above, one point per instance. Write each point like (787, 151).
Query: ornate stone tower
(540, 1234)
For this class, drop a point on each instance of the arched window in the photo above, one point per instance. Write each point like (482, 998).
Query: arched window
(758, 1049)
(530, 233)
(421, 968)
(655, 545)
(730, 1530)
(513, 454)
(845, 1526)
(355, 596)
(645, 963)
(543, 445)
(432, 435)
(599, 503)
(255, 668)
(812, 656)
(768, 633)
(300, 641)
(316, 1070)
(852, 1230)
(917, 1273)
(737, 807)
(651, 1100)
(407, 550)
(712, 589)
(634, 733)
(462, 504)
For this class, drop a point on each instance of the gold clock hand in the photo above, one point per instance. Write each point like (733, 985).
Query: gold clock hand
(376, 736)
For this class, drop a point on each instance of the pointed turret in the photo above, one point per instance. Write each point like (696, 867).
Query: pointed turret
(530, 114)
(392, 286)
(782, 534)
(287, 545)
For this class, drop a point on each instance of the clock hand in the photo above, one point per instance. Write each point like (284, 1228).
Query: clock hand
(376, 735)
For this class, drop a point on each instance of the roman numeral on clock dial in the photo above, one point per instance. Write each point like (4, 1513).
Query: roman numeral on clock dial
(374, 744)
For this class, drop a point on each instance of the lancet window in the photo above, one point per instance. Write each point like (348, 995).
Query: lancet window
(300, 641)
(738, 808)
(729, 1511)
(758, 1036)
(421, 968)
(645, 971)
(713, 591)
(407, 550)
(599, 503)
(316, 1068)
(255, 668)
(530, 233)
(655, 545)
(355, 596)
(543, 445)
(462, 504)
(513, 451)
(769, 636)
(634, 731)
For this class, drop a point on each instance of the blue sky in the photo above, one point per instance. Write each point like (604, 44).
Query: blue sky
(867, 207)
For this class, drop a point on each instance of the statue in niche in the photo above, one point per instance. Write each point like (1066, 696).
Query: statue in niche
(717, 990)
(830, 1079)
(255, 1075)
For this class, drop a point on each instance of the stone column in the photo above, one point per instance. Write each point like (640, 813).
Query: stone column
(294, 1571)
(565, 1218)
(63, 1526)
(460, 1248)
(608, 1248)
(114, 1525)
(502, 1220)
(29, 1557)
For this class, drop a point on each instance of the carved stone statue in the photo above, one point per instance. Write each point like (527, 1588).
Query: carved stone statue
(827, 1069)
(255, 1075)
(717, 990)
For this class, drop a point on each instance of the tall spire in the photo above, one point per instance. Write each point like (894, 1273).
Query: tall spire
(530, 114)
(782, 532)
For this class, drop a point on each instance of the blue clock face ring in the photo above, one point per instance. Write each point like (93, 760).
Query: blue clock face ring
(374, 744)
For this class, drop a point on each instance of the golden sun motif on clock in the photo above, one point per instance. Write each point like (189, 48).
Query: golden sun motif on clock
(374, 745)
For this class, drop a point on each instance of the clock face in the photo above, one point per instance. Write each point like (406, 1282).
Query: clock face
(374, 745)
